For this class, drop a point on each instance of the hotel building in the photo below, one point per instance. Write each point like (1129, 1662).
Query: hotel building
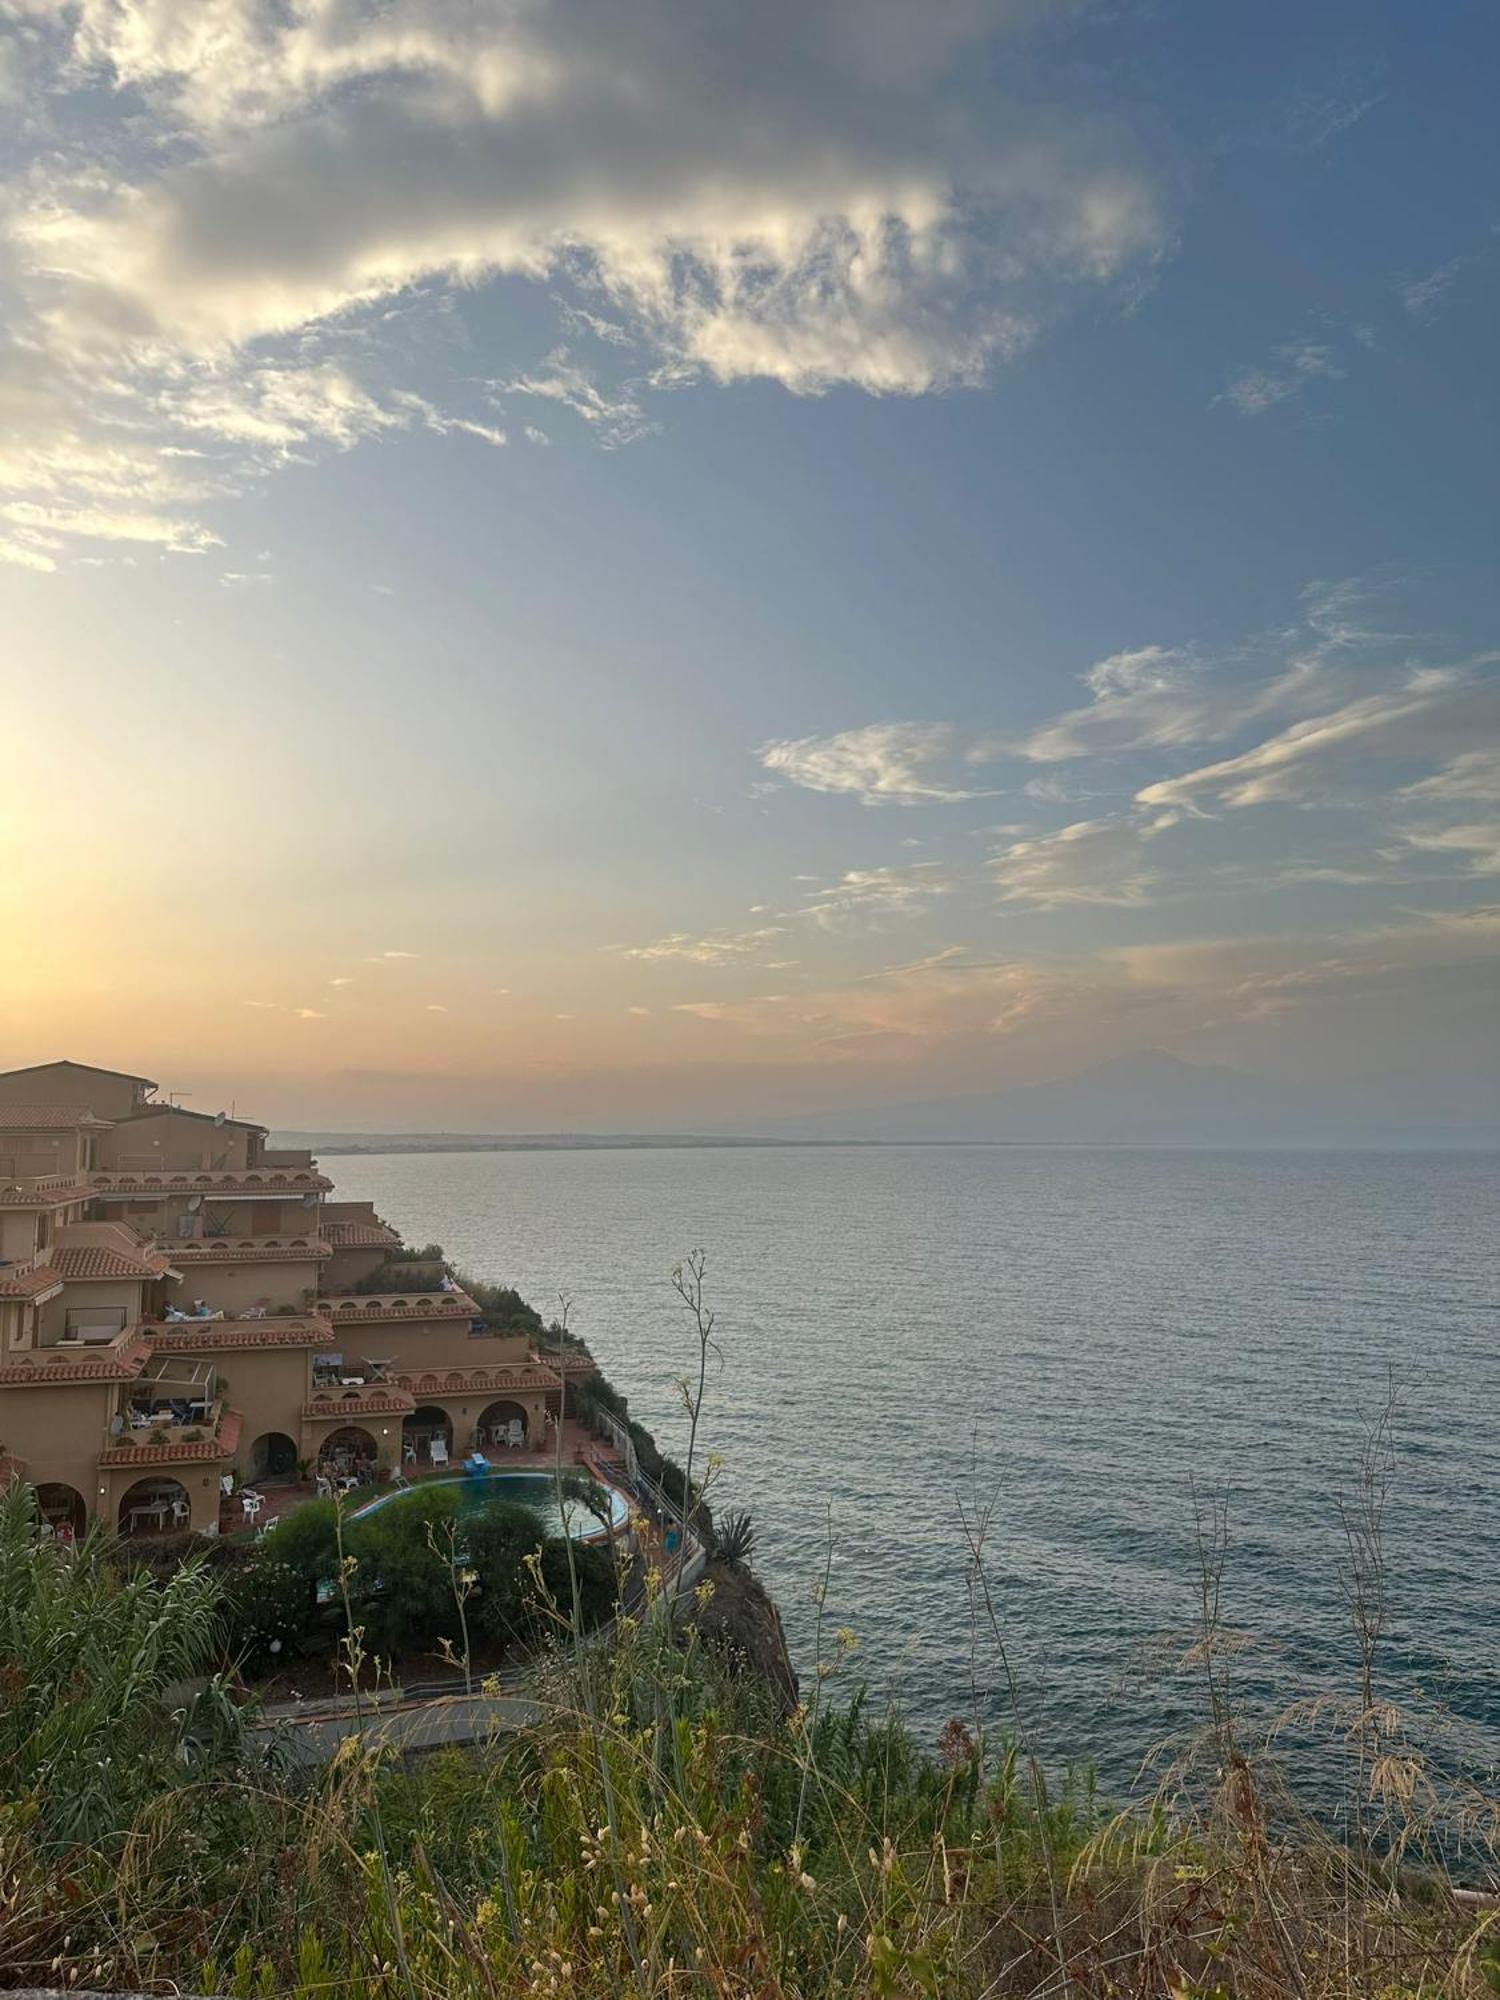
(182, 1308)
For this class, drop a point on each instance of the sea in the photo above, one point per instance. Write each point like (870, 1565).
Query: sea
(1079, 1359)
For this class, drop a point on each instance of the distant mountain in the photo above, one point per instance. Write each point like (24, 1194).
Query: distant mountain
(1153, 1098)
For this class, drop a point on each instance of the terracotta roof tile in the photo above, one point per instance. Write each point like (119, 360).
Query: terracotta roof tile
(46, 1366)
(221, 1444)
(88, 1251)
(248, 1249)
(207, 1336)
(46, 1117)
(52, 1193)
(37, 1281)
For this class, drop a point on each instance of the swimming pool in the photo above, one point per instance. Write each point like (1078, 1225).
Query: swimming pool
(537, 1490)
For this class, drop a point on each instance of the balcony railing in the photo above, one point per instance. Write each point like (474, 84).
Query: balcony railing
(179, 1443)
(142, 1185)
(400, 1305)
(234, 1249)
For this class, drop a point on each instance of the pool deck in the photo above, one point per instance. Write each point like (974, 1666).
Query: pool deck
(581, 1451)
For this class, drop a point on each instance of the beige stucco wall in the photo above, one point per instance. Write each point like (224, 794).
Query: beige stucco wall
(434, 1343)
(173, 1139)
(59, 1432)
(268, 1386)
(30, 1153)
(345, 1268)
(199, 1482)
(17, 1233)
(123, 1296)
(232, 1287)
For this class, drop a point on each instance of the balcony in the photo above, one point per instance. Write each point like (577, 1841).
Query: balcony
(227, 1333)
(73, 1361)
(43, 1190)
(31, 1279)
(347, 1406)
(191, 1251)
(173, 1412)
(174, 1443)
(119, 1183)
(352, 1308)
(360, 1235)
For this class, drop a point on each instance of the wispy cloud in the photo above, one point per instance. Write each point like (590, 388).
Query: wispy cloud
(714, 948)
(882, 763)
(1425, 714)
(1093, 861)
(1292, 369)
(871, 899)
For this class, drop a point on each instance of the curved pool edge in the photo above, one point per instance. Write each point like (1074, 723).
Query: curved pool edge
(497, 1477)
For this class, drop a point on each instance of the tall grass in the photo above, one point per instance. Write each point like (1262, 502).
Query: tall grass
(666, 1829)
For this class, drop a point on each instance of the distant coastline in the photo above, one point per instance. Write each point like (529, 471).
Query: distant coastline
(349, 1143)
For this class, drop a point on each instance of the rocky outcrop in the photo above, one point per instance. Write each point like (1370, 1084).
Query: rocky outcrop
(740, 1620)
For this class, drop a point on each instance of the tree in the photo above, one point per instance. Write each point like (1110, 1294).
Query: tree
(401, 1586)
(498, 1541)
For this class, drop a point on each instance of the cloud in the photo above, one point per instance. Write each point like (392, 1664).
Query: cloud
(1150, 697)
(1421, 297)
(1478, 841)
(1098, 861)
(239, 216)
(883, 763)
(617, 418)
(1294, 367)
(716, 948)
(871, 899)
(1430, 711)
(1475, 774)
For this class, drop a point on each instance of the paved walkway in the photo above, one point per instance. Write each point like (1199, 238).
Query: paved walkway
(406, 1727)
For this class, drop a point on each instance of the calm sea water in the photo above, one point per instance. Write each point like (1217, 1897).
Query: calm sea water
(1074, 1336)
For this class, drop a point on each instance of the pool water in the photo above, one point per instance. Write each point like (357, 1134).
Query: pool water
(537, 1490)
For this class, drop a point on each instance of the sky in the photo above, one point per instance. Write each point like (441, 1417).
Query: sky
(625, 564)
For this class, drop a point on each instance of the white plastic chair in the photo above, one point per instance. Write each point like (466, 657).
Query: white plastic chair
(181, 1513)
(515, 1435)
(251, 1503)
(324, 1487)
(438, 1451)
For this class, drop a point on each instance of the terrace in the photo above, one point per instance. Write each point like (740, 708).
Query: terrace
(252, 1327)
(117, 1183)
(437, 1303)
(43, 1190)
(172, 1403)
(248, 1249)
(120, 1359)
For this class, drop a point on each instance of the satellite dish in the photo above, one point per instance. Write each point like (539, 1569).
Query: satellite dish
(218, 1118)
(309, 1201)
(195, 1202)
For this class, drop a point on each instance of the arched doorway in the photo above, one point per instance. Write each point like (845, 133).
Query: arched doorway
(62, 1508)
(426, 1424)
(155, 1506)
(273, 1459)
(348, 1453)
(497, 1426)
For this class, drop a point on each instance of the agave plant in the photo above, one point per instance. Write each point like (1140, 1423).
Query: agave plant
(734, 1539)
